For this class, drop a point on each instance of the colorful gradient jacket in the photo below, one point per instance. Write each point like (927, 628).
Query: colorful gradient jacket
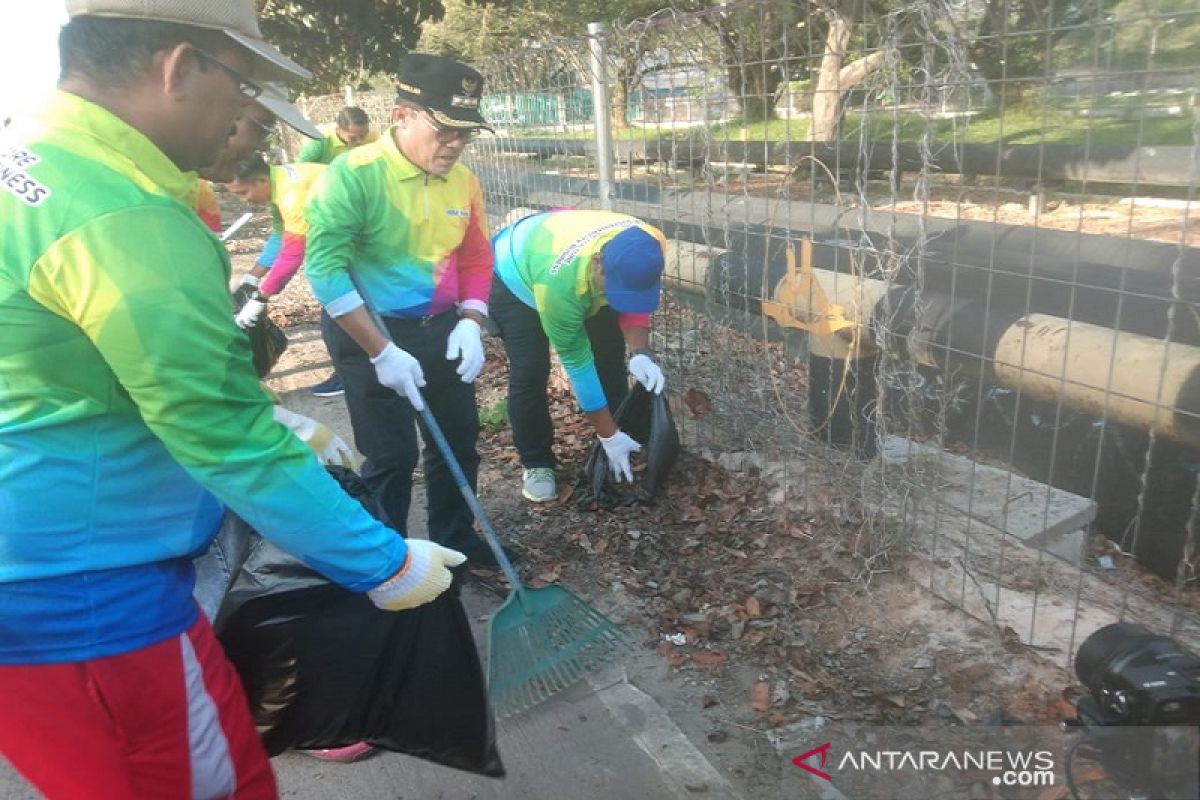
(208, 208)
(545, 260)
(283, 253)
(418, 242)
(130, 413)
(328, 147)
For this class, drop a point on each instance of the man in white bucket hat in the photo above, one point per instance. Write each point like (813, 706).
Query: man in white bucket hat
(131, 417)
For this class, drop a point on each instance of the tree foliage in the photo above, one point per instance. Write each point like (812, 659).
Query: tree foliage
(345, 41)
(1015, 40)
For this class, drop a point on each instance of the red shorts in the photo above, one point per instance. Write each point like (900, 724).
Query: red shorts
(166, 721)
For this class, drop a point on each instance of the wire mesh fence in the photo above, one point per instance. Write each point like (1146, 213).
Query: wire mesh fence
(932, 274)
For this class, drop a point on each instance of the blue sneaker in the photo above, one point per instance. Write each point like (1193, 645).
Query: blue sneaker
(330, 387)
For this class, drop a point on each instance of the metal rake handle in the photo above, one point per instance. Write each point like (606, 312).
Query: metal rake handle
(460, 479)
(489, 533)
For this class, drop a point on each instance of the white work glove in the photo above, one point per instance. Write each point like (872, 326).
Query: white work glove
(248, 280)
(329, 447)
(248, 316)
(619, 447)
(423, 577)
(399, 371)
(647, 373)
(465, 342)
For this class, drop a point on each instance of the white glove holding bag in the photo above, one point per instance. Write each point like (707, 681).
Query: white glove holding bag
(248, 316)
(647, 373)
(466, 342)
(328, 446)
(400, 372)
(424, 576)
(619, 447)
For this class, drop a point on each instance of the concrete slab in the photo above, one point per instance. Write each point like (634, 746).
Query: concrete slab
(1035, 513)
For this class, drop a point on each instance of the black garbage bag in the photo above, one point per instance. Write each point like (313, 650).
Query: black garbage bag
(646, 417)
(323, 667)
(267, 340)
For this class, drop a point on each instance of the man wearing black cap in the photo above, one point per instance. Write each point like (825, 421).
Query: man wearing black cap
(409, 219)
(585, 282)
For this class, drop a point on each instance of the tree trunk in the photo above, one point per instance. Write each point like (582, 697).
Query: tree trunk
(827, 97)
(625, 78)
(620, 105)
(834, 80)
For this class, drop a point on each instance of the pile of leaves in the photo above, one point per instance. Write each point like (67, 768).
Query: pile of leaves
(763, 603)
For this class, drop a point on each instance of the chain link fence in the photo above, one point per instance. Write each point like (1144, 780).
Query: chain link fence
(932, 274)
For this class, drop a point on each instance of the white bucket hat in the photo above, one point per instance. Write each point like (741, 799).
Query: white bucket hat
(237, 19)
(275, 99)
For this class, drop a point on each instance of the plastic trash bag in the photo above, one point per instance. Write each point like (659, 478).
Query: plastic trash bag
(647, 418)
(218, 566)
(267, 340)
(323, 667)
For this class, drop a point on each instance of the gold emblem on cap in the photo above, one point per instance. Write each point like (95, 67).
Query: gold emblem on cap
(470, 85)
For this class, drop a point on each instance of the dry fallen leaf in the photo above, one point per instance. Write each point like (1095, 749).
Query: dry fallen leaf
(697, 402)
(707, 657)
(755, 638)
(760, 696)
(753, 608)
(673, 656)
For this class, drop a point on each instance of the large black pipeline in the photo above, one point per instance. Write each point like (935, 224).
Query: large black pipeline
(1034, 163)
(983, 272)
(1117, 282)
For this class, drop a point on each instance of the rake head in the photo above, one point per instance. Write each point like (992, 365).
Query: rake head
(540, 642)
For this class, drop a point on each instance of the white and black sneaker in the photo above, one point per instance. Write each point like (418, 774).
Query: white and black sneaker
(538, 485)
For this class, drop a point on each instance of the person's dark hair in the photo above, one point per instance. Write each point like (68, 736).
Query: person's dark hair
(114, 51)
(253, 167)
(352, 115)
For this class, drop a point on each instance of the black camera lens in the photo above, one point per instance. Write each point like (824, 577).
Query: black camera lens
(1100, 653)
(1138, 677)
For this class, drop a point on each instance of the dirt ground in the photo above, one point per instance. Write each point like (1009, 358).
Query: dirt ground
(751, 616)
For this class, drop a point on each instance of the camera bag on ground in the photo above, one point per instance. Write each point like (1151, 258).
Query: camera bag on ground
(267, 340)
(323, 667)
(646, 417)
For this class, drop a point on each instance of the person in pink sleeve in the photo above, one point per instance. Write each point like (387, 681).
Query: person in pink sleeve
(285, 189)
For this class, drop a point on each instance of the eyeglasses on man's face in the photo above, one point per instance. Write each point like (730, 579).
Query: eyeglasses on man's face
(246, 86)
(450, 135)
(263, 129)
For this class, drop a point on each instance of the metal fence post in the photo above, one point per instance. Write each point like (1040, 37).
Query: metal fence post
(602, 112)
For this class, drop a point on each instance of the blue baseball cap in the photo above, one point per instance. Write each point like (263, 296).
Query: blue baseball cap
(633, 268)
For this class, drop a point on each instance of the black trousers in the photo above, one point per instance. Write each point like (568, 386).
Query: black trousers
(385, 426)
(529, 370)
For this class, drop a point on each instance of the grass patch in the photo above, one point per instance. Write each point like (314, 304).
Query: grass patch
(1016, 125)
(493, 418)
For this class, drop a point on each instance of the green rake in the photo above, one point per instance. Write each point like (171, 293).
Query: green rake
(540, 641)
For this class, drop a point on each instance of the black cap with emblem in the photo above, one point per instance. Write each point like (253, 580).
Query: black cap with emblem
(448, 89)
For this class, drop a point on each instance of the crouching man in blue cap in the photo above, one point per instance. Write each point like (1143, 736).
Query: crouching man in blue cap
(585, 282)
